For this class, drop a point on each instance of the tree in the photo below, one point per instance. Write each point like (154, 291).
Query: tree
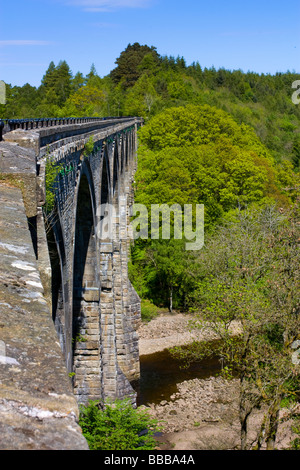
(21, 102)
(249, 277)
(48, 80)
(149, 64)
(141, 98)
(57, 83)
(87, 101)
(77, 82)
(128, 63)
(167, 259)
(92, 73)
(198, 154)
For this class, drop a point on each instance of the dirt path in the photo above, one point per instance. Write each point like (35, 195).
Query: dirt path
(203, 414)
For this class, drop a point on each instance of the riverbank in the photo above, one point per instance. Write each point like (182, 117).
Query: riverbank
(203, 414)
(167, 330)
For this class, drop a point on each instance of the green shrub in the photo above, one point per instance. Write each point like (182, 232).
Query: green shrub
(89, 146)
(117, 427)
(148, 310)
(52, 171)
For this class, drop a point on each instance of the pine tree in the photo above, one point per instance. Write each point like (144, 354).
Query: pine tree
(57, 83)
(128, 63)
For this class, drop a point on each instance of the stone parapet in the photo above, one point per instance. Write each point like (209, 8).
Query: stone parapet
(37, 407)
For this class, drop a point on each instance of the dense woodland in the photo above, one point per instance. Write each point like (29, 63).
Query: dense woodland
(145, 83)
(229, 140)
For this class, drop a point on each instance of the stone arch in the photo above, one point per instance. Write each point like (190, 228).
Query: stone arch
(86, 295)
(56, 248)
(124, 149)
(131, 144)
(121, 156)
(128, 134)
(105, 195)
(116, 171)
(108, 192)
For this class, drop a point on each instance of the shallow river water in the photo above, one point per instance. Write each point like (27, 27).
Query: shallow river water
(160, 374)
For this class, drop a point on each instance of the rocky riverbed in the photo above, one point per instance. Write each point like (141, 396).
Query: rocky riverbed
(168, 330)
(203, 414)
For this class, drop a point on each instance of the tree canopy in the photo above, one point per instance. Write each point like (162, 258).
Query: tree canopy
(132, 62)
(146, 83)
(199, 154)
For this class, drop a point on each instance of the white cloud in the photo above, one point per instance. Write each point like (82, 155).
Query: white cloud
(23, 42)
(108, 5)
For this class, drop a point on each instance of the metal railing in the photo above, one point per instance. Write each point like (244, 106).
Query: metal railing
(7, 125)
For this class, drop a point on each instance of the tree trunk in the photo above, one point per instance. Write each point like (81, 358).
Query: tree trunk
(244, 427)
(171, 299)
(244, 414)
(273, 426)
(261, 435)
(244, 411)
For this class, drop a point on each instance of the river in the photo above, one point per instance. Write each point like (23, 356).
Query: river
(160, 374)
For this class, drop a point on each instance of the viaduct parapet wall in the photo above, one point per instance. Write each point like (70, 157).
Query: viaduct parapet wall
(77, 328)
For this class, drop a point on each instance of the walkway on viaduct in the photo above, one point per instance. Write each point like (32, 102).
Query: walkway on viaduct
(76, 180)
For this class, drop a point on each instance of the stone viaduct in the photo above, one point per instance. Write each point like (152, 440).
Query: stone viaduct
(75, 177)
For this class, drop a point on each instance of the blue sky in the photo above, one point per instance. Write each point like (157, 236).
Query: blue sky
(261, 36)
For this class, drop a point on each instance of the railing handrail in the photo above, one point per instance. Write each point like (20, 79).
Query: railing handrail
(38, 123)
